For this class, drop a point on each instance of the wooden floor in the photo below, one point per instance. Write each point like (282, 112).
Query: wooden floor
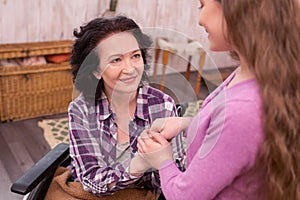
(22, 142)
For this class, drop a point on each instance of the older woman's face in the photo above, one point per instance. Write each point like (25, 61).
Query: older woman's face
(121, 63)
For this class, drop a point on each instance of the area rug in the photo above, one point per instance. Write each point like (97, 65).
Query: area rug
(56, 130)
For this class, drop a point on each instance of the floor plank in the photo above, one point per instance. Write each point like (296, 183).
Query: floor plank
(33, 135)
(5, 184)
(21, 155)
(9, 162)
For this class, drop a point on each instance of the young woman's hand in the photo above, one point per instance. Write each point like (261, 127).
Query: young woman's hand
(169, 127)
(154, 149)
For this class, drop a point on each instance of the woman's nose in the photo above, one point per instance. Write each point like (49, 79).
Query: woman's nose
(201, 17)
(200, 20)
(128, 66)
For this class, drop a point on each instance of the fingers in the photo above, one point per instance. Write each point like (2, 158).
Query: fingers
(152, 133)
(151, 144)
(160, 139)
(158, 124)
(147, 145)
(145, 134)
(141, 145)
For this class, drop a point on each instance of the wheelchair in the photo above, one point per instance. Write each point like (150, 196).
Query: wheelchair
(35, 182)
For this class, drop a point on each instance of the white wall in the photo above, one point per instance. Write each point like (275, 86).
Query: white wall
(40, 20)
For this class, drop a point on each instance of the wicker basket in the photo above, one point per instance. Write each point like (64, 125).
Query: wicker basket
(37, 90)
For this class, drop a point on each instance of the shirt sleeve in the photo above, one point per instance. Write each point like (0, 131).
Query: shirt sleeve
(89, 156)
(214, 168)
(177, 145)
(164, 109)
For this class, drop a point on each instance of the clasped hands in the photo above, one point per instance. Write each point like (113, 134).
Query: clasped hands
(154, 144)
(153, 149)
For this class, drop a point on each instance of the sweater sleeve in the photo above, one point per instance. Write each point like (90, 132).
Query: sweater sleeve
(228, 150)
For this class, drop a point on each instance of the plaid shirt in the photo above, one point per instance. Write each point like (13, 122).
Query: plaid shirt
(93, 141)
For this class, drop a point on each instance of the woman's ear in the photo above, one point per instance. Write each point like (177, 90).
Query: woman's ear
(97, 74)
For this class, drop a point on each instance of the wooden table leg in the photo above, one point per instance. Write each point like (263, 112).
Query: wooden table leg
(157, 51)
(165, 60)
(188, 68)
(199, 76)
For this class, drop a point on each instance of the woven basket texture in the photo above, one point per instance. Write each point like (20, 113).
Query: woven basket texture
(37, 90)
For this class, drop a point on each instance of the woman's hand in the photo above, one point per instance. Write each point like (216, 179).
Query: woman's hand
(138, 166)
(154, 149)
(169, 127)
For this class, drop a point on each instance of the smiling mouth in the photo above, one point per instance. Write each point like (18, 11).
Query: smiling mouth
(128, 80)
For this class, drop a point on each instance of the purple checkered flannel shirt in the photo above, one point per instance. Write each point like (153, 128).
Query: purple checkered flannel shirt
(93, 140)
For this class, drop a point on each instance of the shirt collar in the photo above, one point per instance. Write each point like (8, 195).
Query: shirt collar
(103, 108)
(141, 112)
(142, 107)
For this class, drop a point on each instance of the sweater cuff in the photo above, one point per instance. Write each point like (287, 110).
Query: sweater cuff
(165, 164)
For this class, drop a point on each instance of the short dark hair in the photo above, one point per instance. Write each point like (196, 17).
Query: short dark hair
(84, 59)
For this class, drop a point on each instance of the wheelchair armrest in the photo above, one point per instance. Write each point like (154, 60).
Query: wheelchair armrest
(41, 169)
(181, 109)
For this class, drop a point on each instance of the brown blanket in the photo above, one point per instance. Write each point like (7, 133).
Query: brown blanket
(60, 188)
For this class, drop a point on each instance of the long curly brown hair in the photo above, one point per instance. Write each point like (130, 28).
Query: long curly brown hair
(267, 34)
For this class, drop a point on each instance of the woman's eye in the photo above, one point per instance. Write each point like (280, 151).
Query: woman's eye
(137, 55)
(116, 60)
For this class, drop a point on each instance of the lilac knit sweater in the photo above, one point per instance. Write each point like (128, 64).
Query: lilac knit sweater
(222, 143)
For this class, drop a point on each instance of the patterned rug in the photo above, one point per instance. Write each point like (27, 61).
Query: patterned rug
(56, 130)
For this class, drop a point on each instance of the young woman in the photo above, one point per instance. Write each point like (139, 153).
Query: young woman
(245, 141)
(115, 105)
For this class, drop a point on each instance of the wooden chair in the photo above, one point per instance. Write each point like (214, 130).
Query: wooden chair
(190, 48)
